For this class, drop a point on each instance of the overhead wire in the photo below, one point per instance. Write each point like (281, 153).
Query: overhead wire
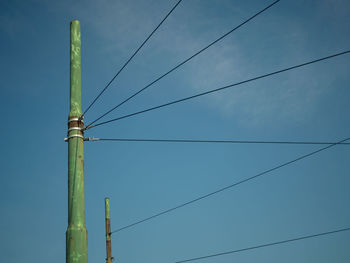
(229, 186)
(183, 62)
(133, 55)
(216, 141)
(267, 245)
(219, 89)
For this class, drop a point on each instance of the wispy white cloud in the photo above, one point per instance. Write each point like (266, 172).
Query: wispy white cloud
(292, 97)
(295, 96)
(289, 97)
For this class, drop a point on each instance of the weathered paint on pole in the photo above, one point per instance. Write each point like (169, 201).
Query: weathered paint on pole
(109, 257)
(76, 235)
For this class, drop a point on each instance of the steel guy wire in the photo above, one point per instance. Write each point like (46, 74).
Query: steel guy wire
(133, 55)
(267, 245)
(231, 185)
(219, 89)
(213, 141)
(183, 62)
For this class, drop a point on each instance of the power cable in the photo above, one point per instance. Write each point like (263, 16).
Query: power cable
(218, 89)
(183, 62)
(127, 62)
(213, 141)
(267, 245)
(229, 186)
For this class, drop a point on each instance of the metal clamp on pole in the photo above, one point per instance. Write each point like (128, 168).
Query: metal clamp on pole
(73, 136)
(76, 119)
(75, 128)
(75, 124)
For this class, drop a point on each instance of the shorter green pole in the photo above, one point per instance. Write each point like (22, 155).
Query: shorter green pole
(109, 257)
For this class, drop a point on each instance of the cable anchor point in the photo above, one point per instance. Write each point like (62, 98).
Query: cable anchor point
(91, 139)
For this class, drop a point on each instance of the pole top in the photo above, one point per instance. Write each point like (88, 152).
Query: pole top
(107, 215)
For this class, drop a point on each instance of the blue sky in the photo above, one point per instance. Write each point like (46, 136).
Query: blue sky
(306, 104)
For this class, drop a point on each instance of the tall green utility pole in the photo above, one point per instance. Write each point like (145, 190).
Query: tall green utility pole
(109, 257)
(76, 235)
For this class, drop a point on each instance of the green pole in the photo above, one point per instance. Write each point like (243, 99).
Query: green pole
(109, 257)
(76, 235)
